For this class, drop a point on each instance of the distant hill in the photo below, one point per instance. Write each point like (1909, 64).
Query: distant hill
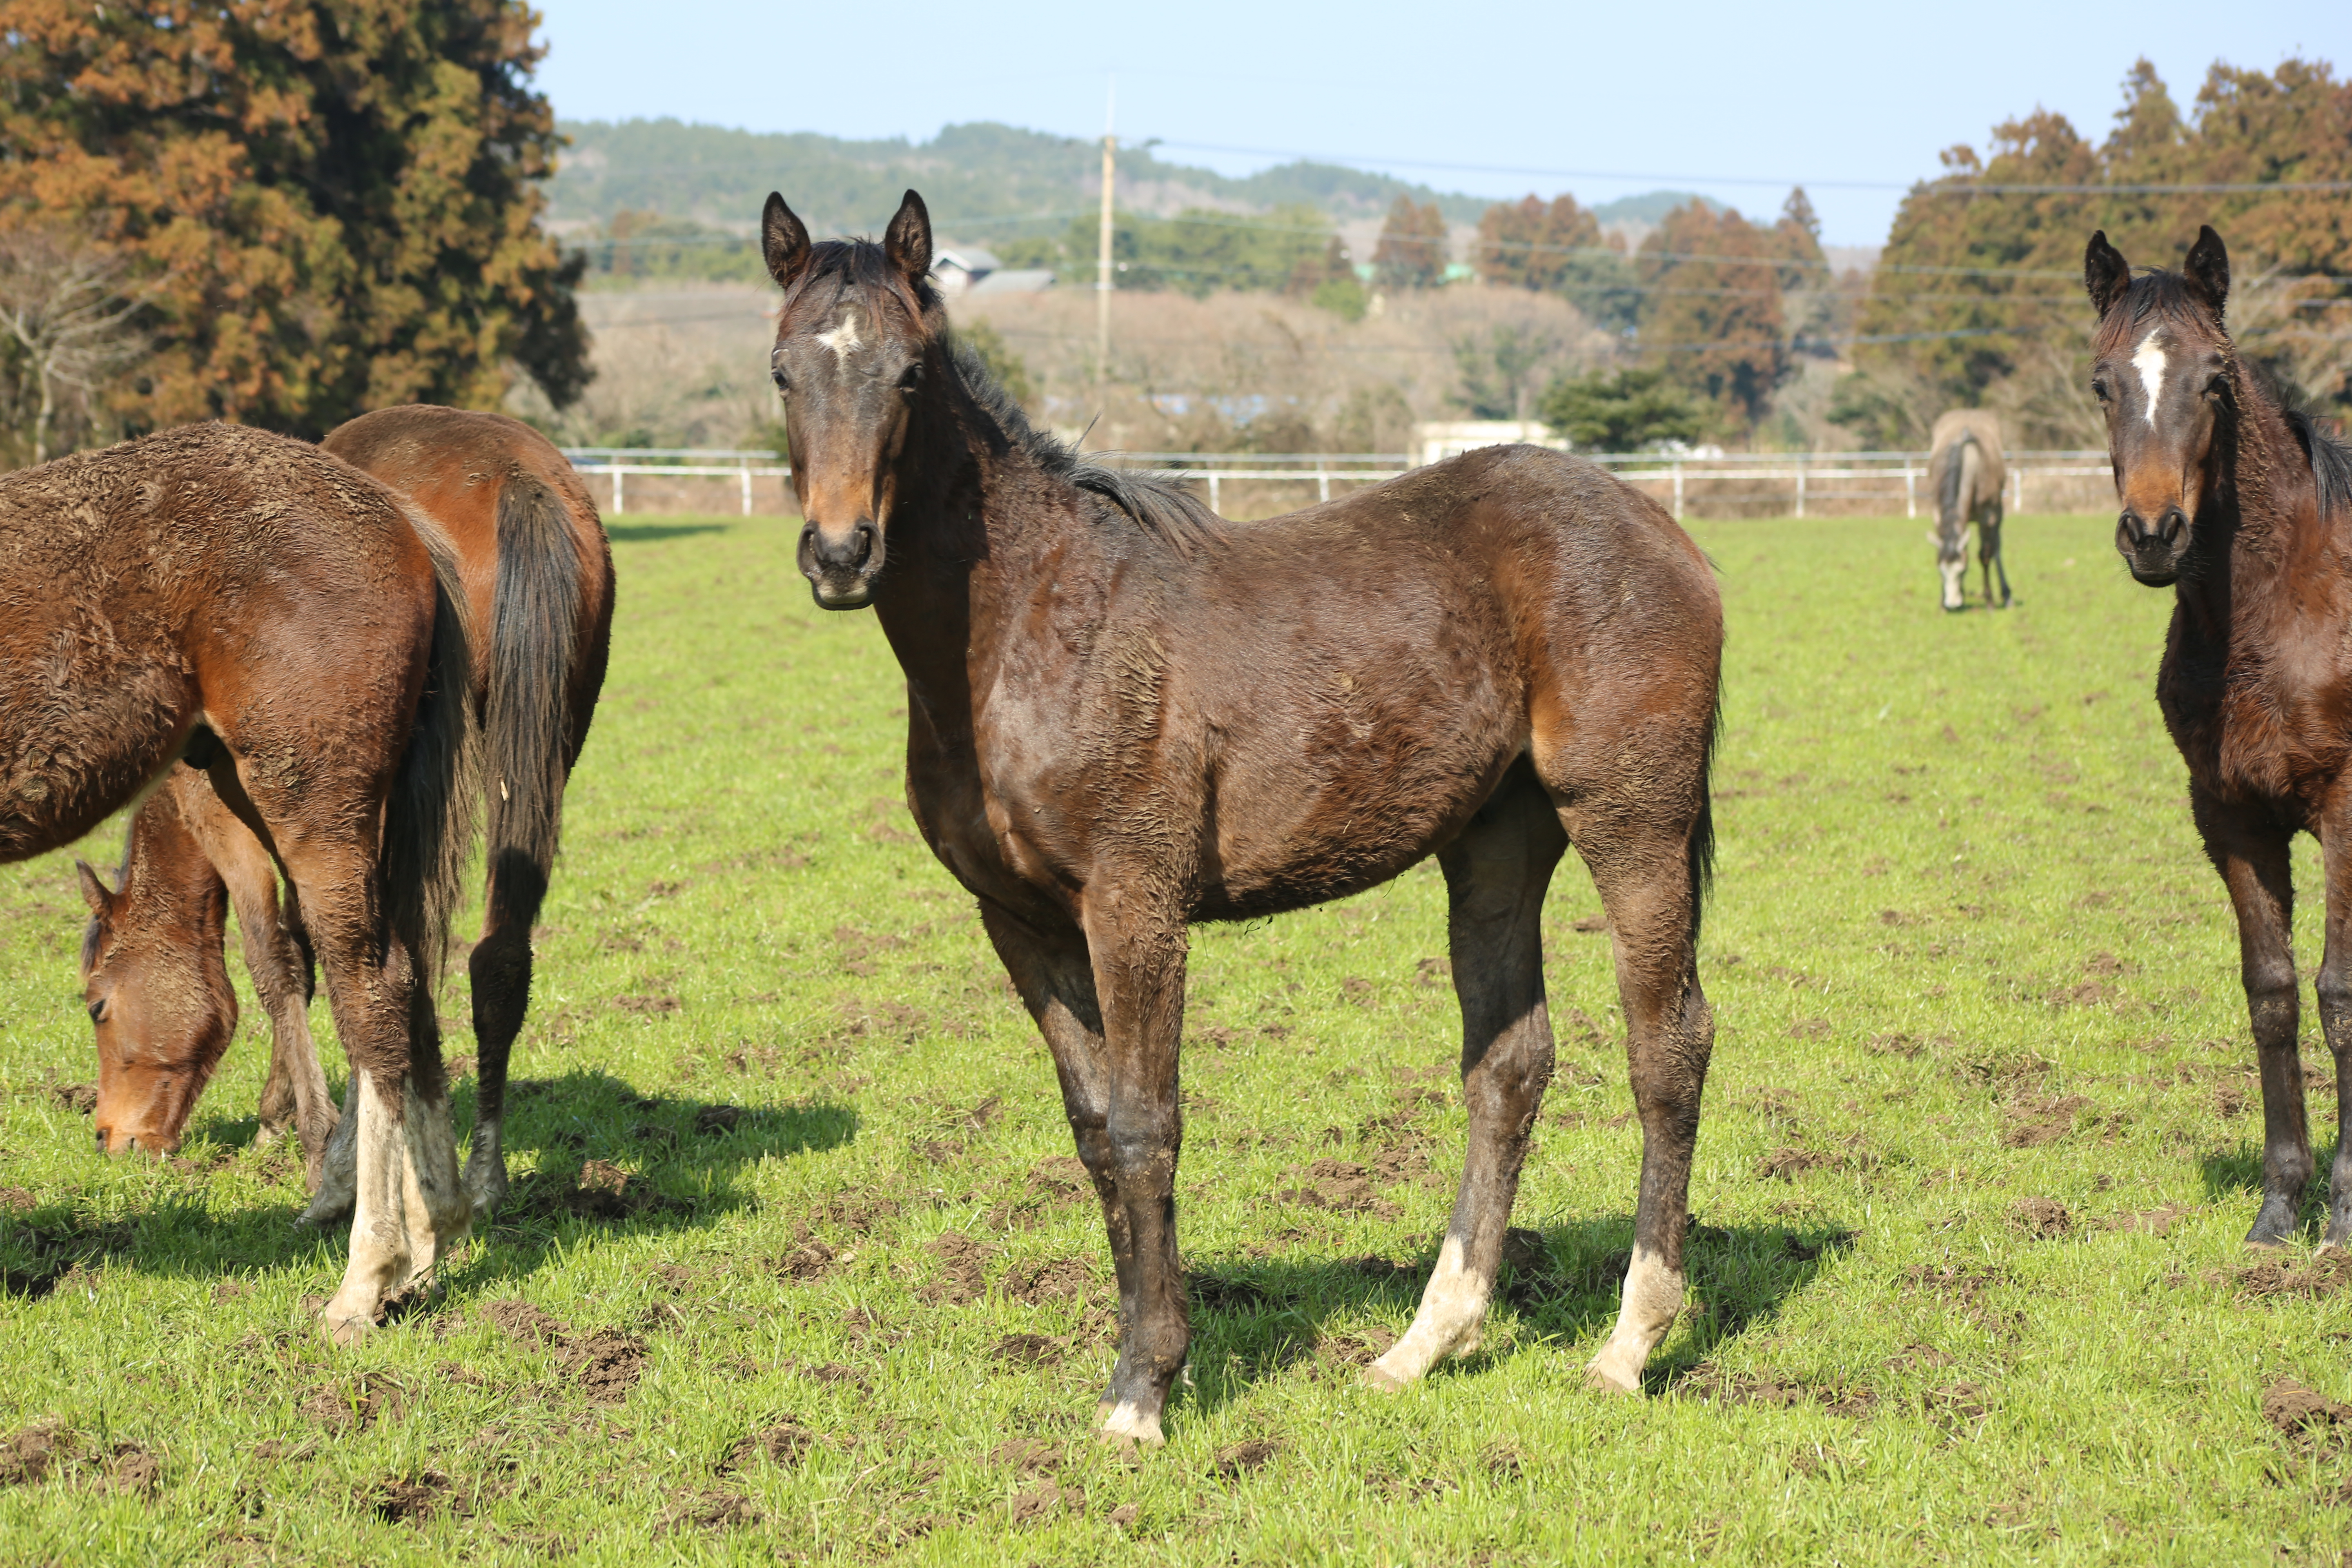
(1650, 207)
(981, 181)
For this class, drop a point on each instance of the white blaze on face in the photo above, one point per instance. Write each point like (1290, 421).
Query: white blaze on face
(2148, 360)
(843, 339)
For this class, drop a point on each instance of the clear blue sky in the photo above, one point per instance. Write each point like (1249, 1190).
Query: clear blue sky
(1735, 102)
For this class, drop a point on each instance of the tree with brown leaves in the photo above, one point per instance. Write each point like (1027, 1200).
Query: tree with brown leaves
(330, 204)
(1412, 249)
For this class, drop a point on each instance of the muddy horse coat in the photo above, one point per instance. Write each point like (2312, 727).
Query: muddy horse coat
(2245, 509)
(222, 599)
(538, 578)
(1125, 715)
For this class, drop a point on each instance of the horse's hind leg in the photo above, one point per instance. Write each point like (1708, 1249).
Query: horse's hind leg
(1055, 978)
(1645, 874)
(1988, 555)
(500, 968)
(2334, 989)
(1495, 874)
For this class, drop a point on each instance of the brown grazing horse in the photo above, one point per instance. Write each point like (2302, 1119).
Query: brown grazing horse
(1125, 715)
(256, 609)
(2247, 506)
(538, 576)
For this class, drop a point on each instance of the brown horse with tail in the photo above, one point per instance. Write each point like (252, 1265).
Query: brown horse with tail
(1125, 715)
(538, 577)
(2244, 509)
(219, 599)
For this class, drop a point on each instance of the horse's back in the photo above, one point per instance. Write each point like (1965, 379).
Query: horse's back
(1955, 425)
(211, 571)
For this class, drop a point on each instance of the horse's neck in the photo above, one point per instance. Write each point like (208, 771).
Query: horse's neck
(2264, 504)
(976, 509)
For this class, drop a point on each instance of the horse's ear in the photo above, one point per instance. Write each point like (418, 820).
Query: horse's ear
(94, 890)
(2105, 273)
(783, 240)
(2207, 271)
(908, 241)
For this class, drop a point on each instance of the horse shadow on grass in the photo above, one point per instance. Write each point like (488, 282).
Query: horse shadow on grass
(1254, 1320)
(656, 532)
(610, 1161)
(2235, 1176)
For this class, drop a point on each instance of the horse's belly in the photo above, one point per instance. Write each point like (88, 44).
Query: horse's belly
(1334, 818)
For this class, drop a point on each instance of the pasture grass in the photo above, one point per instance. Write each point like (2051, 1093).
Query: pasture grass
(797, 1268)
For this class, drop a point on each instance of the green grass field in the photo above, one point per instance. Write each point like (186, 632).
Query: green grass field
(797, 1267)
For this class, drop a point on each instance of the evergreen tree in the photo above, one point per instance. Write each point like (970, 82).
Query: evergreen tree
(329, 205)
(1711, 318)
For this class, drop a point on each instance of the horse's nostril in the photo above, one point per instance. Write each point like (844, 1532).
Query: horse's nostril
(861, 545)
(2173, 524)
(100, 1134)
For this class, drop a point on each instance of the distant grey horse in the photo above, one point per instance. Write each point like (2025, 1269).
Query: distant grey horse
(1966, 472)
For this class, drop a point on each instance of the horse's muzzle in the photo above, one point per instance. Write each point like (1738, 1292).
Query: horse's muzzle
(2153, 550)
(840, 566)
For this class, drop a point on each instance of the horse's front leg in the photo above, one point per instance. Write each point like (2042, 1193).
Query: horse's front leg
(1496, 873)
(2250, 850)
(2334, 989)
(1050, 967)
(1988, 557)
(1138, 947)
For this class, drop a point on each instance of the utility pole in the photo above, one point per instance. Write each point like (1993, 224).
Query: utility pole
(1102, 260)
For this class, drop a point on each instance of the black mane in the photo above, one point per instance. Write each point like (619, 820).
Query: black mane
(2331, 461)
(1160, 504)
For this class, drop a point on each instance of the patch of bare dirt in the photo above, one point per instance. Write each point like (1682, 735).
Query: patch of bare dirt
(2043, 1219)
(1525, 1250)
(857, 1215)
(2153, 1222)
(707, 1510)
(1774, 1391)
(1054, 1280)
(1240, 1459)
(964, 1130)
(16, 1200)
(961, 1277)
(81, 1097)
(27, 1457)
(2299, 1412)
(2281, 1279)
(1028, 1350)
(781, 1444)
(1908, 1047)
(1223, 1293)
(807, 1262)
(648, 1004)
(355, 1406)
(1044, 1501)
(1340, 1185)
(2035, 1121)
(1028, 1456)
(1360, 1348)
(1788, 1165)
(524, 1323)
(604, 1365)
(406, 1500)
(1810, 1029)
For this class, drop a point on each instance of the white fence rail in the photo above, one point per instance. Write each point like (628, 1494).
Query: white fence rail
(1802, 481)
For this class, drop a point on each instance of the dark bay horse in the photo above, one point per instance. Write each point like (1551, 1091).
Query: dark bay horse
(538, 577)
(234, 602)
(1125, 715)
(2247, 508)
(1966, 472)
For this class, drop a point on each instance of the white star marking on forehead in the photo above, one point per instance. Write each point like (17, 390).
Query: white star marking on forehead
(2148, 360)
(843, 336)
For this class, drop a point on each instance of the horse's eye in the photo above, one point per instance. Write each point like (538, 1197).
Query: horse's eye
(784, 382)
(2099, 388)
(98, 1011)
(911, 378)
(2216, 387)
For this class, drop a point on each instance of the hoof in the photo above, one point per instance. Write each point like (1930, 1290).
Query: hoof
(1129, 1426)
(1613, 1372)
(1380, 1377)
(324, 1210)
(344, 1329)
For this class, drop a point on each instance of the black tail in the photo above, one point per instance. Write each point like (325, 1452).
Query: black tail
(536, 615)
(1701, 855)
(429, 820)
